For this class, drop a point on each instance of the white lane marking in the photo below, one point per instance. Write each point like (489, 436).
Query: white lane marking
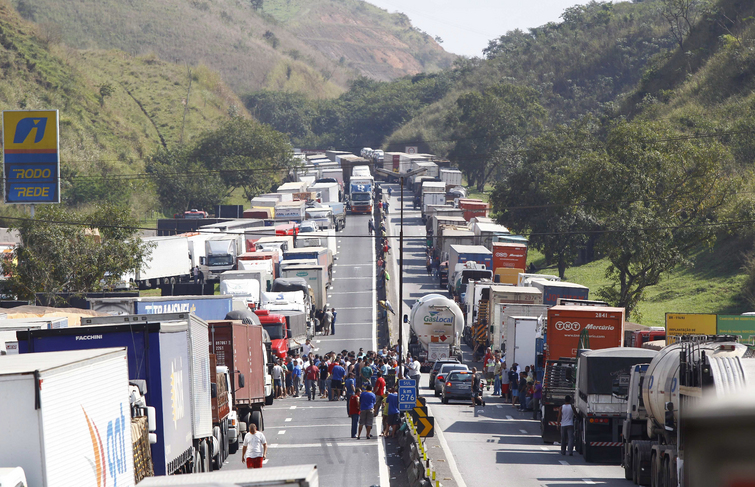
(287, 420)
(563, 462)
(509, 418)
(373, 291)
(356, 307)
(385, 474)
(329, 295)
(318, 341)
(292, 407)
(316, 426)
(340, 444)
(273, 445)
(524, 431)
(351, 278)
(344, 339)
(588, 481)
(544, 448)
(449, 456)
(282, 432)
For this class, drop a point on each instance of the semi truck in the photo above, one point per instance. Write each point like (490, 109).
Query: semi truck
(220, 255)
(602, 326)
(170, 353)
(59, 441)
(559, 381)
(240, 348)
(436, 324)
(320, 255)
(601, 400)
(169, 261)
(316, 277)
(205, 307)
(553, 291)
(360, 193)
(679, 376)
(287, 329)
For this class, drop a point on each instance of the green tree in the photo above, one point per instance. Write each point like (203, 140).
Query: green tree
(658, 195)
(183, 182)
(489, 128)
(245, 154)
(65, 251)
(542, 196)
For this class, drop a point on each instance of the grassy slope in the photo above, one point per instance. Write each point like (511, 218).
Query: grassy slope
(227, 35)
(710, 285)
(117, 136)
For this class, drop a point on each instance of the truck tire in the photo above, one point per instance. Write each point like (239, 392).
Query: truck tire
(258, 420)
(628, 468)
(641, 462)
(233, 447)
(654, 470)
(217, 455)
(204, 457)
(270, 398)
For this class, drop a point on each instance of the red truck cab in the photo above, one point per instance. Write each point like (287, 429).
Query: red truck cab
(275, 325)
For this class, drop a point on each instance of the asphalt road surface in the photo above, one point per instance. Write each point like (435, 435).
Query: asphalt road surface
(497, 441)
(299, 431)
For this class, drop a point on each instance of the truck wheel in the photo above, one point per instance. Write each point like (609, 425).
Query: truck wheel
(642, 452)
(204, 457)
(653, 470)
(233, 447)
(270, 398)
(257, 419)
(217, 458)
(666, 472)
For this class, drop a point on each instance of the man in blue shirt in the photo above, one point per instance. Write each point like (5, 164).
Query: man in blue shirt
(394, 414)
(336, 381)
(350, 384)
(367, 402)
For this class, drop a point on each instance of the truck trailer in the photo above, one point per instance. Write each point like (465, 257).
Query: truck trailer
(67, 418)
(436, 326)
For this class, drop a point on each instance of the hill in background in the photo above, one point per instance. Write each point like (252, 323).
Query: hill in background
(144, 106)
(313, 47)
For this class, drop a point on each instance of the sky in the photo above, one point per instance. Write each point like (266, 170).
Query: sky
(466, 26)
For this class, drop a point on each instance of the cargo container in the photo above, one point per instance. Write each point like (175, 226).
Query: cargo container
(452, 177)
(552, 291)
(332, 154)
(290, 211)
(509, 255)
(473, 208)
(292, 187)
(67, 418)
(278, 197)
(262, 213)
(240, 347)
(329, 192)
(205, 307)
(604, 325)
(264, 202)
(347, 164)
(459, 254)
(431, 169)
(507, 275)
(169, 352)
(500, 322)
(267, 250)
(321, 255)
(243, 284)
(316, 277)
(450, 235)
(168, 261)
(520, 345)
(335, 173)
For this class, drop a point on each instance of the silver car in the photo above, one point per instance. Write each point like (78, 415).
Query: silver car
(443, 373)
(458, 385)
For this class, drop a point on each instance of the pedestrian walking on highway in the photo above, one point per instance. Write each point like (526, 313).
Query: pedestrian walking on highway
(379, 392)
(333, 313)
(254, 452)
(371, 226)
(311, 375)
(522, 388)
(323, 379)
(565, 422)
(367, 402)
(326, 319)
(497, 375)
(385, 207)
(394, 415)
(354, 410)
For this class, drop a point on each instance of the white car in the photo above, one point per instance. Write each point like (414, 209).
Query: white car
(378, 155)
(366, 152)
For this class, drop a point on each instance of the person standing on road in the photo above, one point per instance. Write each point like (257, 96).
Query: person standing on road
(255, 448)
(323, 379)
(326, 320)
(379, 392)
(522, 388)
(196, 274)
(504, 381)
(296, 375)
(311, 375)
(336, 381)
(333, 313)
(308, 348)
(537, 395)
(278, 379)
(497, 375)
(565, 422)
(371, 226)
(514, 385)
(413, 372)
(394, 414)
(353, 410)
(366, 414)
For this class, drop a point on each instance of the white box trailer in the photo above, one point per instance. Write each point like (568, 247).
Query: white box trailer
(431, 169)
(452, 177)
(328, 192)
(169, 260)
(522, 333)
(292, 187)
(67, 417)
(503, 312)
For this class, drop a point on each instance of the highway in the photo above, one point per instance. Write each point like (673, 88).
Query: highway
(496, 441)
(299, 431)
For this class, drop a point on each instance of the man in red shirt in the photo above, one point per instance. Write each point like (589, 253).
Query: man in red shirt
(354, 411)
(379, 392)
(310, 380)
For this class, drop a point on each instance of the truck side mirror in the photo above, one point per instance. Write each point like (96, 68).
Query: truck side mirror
(213, 390)
(406, 318)
(241, 381)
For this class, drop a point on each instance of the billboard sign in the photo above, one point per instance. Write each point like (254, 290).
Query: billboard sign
(31, 156)
(742, 326)
(678, 324)
(411, 149)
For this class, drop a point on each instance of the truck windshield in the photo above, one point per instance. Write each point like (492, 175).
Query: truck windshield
(220, 260)
(275, 330)
(360, 196)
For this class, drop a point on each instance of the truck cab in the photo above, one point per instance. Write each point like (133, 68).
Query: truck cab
(275, 325)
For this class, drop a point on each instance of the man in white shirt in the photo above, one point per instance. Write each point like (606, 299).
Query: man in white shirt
(255, 448)
(278, 379)
(307, 348)
(565, 422)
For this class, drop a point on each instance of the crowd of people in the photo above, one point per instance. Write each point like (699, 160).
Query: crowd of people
(519, 387)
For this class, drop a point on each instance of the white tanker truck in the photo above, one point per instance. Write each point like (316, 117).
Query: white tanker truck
(679, 376)
(436, 324)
